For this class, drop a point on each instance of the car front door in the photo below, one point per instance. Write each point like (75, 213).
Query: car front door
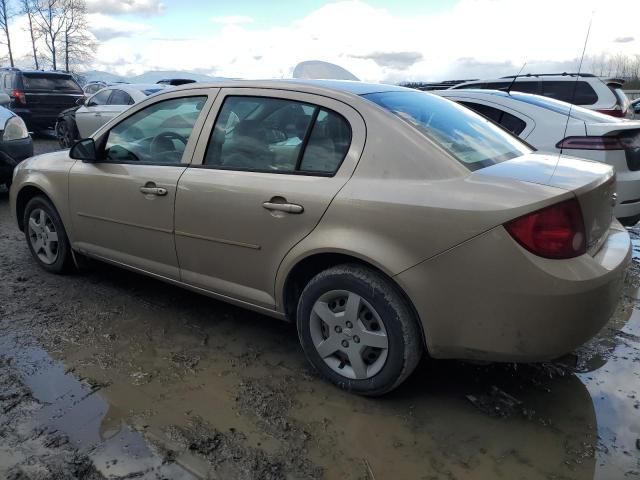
(262, 177)
(118, 102)
(122, 206)
(89, 116)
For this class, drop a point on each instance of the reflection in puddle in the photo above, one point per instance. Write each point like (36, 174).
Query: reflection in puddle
(75, 410)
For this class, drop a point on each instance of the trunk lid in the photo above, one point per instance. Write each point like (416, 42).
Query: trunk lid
(592, 183)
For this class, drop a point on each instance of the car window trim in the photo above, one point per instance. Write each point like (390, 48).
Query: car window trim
(209, 94)
(303, 146)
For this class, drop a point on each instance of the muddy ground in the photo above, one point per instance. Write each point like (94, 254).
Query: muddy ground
(108, 374)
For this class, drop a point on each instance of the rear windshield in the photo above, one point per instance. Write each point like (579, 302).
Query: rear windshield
(470, 138)
(35, 81)
(563, 108)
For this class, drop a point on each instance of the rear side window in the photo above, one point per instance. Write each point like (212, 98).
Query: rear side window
(277, 135)
(510, 122)
(471, 139)
(120, 97)
(578, 93)
(526, 86)
(35, 81)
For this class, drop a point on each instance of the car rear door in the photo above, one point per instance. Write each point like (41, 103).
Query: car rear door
(262, 177)
(123, 205)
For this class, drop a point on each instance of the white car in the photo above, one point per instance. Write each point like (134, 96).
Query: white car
(634, 109)
(582, 89)
(541, 121)
(98, 109)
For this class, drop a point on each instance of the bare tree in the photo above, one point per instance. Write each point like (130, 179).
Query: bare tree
(78, 45)
(50, 20)
(5, 16)
(28, 8)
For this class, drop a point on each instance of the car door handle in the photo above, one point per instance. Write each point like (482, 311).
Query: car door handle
(283, 207)
(159, 191)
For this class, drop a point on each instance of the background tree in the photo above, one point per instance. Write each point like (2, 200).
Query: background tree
(6, 15)
(27, 8)
(78, 45)
(50, 18)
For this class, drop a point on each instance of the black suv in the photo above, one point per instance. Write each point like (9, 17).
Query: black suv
(37, 96)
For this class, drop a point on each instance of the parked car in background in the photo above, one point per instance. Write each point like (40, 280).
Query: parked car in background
(92, 87)
(175, 81)
(541, 121)
(82, 120)
(37, 96)
(15, 142)
(634, 109)
(582, 89)
(384, 221)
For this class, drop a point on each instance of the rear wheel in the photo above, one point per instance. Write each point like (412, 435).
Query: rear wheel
(357, 330)
(46, 236)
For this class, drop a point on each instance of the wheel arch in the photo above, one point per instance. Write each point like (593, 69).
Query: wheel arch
(305, 268)
(26, 193)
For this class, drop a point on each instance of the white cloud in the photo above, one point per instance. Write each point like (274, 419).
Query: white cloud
(232, 20)
(119, 7)
(105, 27)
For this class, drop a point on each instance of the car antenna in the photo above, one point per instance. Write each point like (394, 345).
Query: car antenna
(575, 87)
(513, 82)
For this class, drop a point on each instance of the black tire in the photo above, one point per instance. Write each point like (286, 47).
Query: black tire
(66, 132)
(403, 333)
(64, 261)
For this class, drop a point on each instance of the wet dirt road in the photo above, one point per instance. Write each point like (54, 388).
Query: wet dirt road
(108, 374)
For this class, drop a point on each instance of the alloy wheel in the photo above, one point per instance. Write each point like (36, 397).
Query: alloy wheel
(349, 335)
(43, 236)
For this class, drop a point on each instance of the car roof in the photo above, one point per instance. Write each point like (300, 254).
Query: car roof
(348, 86)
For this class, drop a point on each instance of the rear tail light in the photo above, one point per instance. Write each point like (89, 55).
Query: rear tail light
(614, 112)
(590, 143)
(18, 96)
(552, 232)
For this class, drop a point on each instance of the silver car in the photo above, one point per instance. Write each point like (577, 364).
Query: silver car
(385, 222)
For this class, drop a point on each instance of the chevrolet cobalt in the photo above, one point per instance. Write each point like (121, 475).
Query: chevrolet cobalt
(385, 222)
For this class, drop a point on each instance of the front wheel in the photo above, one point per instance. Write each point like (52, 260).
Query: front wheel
(66, 132)
(357, 330)
(46, 236)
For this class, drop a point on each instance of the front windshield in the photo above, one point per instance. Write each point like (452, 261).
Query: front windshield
(470, 138)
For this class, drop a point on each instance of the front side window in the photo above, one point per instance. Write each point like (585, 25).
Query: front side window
(100, 98)
(157, 134)
(470, 138)
(277, 135)
(120, 97)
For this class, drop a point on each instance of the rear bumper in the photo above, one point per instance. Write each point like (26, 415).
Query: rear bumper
(489, 299)
(36, 120)
(628, 190)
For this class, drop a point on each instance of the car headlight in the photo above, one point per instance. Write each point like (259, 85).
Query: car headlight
(15, 129)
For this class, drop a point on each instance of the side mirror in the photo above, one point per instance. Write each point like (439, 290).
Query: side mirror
(84, 150)
(80, 101)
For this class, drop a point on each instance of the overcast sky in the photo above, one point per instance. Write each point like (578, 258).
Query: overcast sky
(377, 40)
